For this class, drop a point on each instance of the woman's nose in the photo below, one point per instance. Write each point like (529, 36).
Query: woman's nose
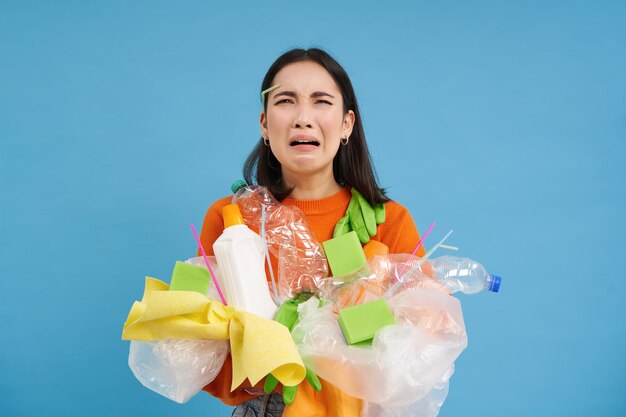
(302, 119)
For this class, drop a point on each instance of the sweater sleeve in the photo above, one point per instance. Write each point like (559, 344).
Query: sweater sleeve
(213, 225)
(398, 231)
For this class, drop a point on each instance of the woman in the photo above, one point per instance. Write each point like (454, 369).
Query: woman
(311, 155)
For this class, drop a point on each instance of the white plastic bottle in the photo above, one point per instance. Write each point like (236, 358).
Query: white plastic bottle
(463, 274)
(241, 258)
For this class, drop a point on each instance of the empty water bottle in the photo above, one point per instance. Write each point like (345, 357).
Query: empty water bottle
(465, 275)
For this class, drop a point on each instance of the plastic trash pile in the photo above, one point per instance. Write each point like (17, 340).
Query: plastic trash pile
(387, 332)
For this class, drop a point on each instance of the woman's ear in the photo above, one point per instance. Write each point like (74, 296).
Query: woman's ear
(348, 123)
(263, 123)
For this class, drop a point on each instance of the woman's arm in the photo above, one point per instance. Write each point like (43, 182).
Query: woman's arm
(213, 225)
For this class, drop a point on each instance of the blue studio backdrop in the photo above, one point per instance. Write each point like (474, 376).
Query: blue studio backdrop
(121, 122)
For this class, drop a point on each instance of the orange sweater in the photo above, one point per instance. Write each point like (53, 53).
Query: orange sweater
(398, 232)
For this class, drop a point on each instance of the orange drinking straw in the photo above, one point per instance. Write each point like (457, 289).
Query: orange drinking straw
(208, 264)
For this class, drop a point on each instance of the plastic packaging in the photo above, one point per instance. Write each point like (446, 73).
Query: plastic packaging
(427, 406)
(302, 264)
(406, 360)
(241, 256)
(389, 275)
(177, 369)
(465, 275)
(376, 278)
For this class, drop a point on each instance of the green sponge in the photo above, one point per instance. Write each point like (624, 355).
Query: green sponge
(359, 323)
(344, 254)
(187, 277)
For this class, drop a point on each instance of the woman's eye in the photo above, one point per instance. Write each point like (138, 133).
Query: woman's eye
(285, 100)
(324, 102)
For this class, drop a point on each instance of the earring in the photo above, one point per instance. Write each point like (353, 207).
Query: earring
(266, 141)
(344, 141)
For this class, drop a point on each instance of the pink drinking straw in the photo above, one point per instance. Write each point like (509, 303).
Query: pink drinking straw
(208, 264)
(416, 248)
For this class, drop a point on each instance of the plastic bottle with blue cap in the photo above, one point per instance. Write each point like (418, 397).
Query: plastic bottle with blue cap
(464, 275)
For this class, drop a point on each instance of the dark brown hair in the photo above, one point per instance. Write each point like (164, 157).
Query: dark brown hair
(352, 164)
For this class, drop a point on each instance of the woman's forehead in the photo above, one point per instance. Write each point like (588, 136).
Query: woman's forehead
(305, 78)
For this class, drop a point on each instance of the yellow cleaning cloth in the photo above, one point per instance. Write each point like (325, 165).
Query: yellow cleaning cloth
(258, 346)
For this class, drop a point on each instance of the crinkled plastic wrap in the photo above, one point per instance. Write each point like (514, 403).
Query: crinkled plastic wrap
(406, 361)
(302, 263)
(382, 276)
(427, 406)
(177, 368)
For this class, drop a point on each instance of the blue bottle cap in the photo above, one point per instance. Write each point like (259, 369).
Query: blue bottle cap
(237, 185)
(494, 283)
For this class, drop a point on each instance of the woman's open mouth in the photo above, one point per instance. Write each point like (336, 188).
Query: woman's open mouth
(304, 140)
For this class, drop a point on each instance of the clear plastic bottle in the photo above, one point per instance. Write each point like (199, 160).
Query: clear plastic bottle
(463, 274)
(240, 256)
(251, 200)
(301, 261)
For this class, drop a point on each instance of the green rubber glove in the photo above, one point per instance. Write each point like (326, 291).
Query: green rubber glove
(360, 217)
(379, 212)
(287, 315)
(343, 226)
(289, 392)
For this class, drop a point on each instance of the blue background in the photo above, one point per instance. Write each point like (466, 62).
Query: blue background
(120, 123)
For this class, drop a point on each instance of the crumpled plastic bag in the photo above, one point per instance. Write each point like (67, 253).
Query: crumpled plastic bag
(406, 361)
(427, 406)
(177, 368)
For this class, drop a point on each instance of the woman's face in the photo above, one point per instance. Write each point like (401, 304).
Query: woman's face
(305, 120)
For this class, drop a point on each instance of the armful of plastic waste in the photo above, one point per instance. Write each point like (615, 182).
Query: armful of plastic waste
(405, 360)
(159, 362)
(411, 346)
(412, 358)
(287, 315)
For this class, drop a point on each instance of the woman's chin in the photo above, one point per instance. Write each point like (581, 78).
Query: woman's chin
(307, 166)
